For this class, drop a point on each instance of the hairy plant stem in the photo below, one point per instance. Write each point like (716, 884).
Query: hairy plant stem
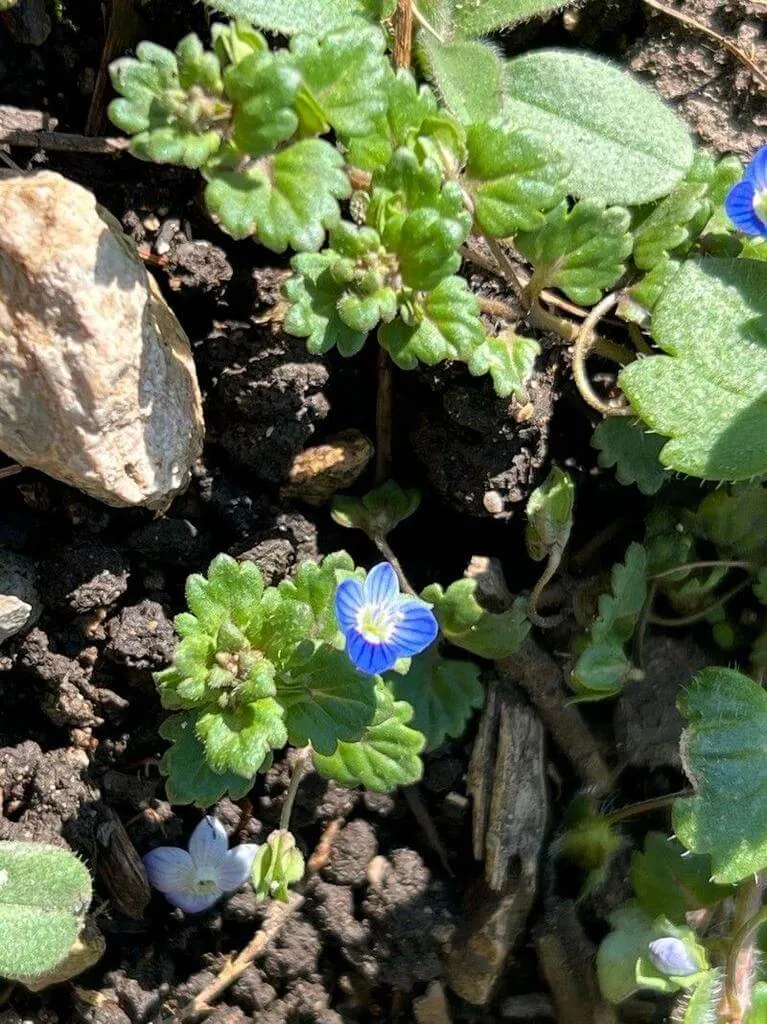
(741, 971)
(583, 345)
(299, 767)
(383, 546)
(655, 803)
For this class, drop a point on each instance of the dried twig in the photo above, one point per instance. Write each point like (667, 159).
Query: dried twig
(737, 51)
(64, 142)
(120, 35)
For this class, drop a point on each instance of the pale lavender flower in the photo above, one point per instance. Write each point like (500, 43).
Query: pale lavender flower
(196, 879)
(672, 957)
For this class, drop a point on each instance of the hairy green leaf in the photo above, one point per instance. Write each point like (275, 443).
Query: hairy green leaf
(263, 90)
(672, 227)
(467, 75)
(189, 777)
(589, 840)
(465, 623)
(668, 881)
(513, 176)
(581, 251)
(757, 1014)
(314, 295)
(709, 393)
(386, 755)
(723, 755)
(509, 359)
(240, 738)
(624, 146)
(442, 692)
(379, 511)
(333, 69)
(288, 199)
(326, 700)
(479, 17)
(292, 16)
(314, 586)
(446, 326)
(624, 443)
(701, 1005)
(44, 895)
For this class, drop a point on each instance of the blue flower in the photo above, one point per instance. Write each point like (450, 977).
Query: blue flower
(195, 880)
(746, 202)
(380, 624)
(672, 957)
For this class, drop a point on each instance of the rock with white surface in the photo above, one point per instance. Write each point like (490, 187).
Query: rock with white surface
(19, 601)
(97, 383)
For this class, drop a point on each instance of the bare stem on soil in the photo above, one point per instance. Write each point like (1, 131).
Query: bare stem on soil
(584, 343)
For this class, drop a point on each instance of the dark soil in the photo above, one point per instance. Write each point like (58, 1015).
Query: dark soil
(78, 740)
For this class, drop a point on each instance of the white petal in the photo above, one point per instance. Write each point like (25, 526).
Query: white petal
(235, 868)
(193, 903)
(170, 869)
(208, 845)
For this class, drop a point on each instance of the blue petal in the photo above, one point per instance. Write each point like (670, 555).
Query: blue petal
(193, 903)
(381, 586)
(169, 869)
(348, 600)
(416, 629)
(671, 956)
(739, 206)
(208, 844)
(370, 658)
(756, 172)
(236, 866)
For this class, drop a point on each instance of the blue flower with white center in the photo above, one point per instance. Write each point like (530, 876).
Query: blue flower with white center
(672, 957)
(746, 202)
(196, 879)
(380, 624)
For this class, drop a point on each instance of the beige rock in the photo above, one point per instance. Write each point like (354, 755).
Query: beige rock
(97, 383)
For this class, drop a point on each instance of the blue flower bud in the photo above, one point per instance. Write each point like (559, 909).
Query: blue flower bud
(672, 957)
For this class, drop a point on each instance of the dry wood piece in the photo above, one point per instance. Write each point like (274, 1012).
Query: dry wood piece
(120, 867)
(566, 958)
(14, 119)
(541, 679)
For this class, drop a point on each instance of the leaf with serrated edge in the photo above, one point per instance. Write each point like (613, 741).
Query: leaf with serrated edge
(709, 393)
(701, 1005)
(386, 755)
(623, 144)
(189, 777)
(672, 227)
(581, 251)
(240, 739)
(509, 359)
(314, 294)
(625, 444)
(326, 700)
(468, 77)
(722, 752)
(449, 327)
(442, 692)
(333, 68)
(669, 881)
(288, 199)
(513, 176)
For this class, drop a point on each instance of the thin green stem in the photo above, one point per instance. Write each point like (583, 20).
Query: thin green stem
(689, 620)
(655, 803)
(552, 564)
(705, 564)
(299, 766)
(383, 546)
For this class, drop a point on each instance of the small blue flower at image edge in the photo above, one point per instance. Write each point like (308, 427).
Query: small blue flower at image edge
(746, 202)
(380, 624)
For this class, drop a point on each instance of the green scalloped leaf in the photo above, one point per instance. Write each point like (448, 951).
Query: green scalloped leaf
(326, 700)
(286, 200)
(447, 326)
(509, 359)
(386, 756)
(671, 882)
(623, 144)
(734, 519)
(314, 295)
(189, 777)
(263, 90)
(624, 443)
(513, 176)
(315, 586)
(672, 227)
(442, 692)
(709, 393)
(333, 68)
(378, 512)
(582, 251)
(723, 755)
(239, 739)
(465, 623)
